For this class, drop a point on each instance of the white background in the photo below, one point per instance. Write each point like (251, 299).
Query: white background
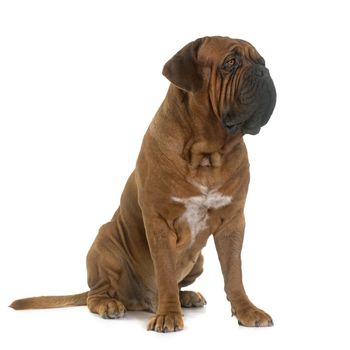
(79, 83)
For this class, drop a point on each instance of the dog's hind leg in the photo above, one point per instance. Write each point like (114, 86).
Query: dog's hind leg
(189, 298)
(106, 269)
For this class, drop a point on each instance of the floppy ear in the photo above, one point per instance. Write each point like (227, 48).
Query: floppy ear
(182, 69)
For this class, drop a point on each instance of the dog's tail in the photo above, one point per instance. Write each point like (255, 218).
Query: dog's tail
(48, 302)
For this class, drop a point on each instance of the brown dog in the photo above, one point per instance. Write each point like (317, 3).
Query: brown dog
(190, 181)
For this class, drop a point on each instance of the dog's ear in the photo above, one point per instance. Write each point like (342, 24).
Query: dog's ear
(182, 69)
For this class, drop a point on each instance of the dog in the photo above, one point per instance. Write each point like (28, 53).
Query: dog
(190, 181)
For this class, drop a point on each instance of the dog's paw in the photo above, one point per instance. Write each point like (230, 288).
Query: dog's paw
(253, 317)
(107, 308)
(191, 299)
(171, 322)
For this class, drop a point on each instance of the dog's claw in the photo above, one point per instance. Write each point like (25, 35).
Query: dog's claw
(254, 317)
(192, 299)
(171, 322)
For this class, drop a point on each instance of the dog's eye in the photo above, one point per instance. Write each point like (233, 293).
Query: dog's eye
(230, 63)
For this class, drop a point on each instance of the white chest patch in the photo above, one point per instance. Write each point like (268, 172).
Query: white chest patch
(196, 214)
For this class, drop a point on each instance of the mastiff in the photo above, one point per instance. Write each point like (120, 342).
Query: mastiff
(190, 182)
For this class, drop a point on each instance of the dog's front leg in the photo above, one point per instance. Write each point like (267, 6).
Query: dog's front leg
(162, 243)
(228, 243)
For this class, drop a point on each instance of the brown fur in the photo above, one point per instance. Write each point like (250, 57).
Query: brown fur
(143, 256)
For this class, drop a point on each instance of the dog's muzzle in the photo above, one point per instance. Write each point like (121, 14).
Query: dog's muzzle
(253, 104)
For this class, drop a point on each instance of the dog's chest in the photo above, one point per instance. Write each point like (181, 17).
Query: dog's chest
(196, 209)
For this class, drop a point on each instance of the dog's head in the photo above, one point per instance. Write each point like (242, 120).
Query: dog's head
(233, 77)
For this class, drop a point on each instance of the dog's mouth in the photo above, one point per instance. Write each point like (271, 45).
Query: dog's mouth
(232, 128)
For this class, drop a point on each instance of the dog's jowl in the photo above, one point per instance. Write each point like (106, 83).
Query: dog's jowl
(190, 181)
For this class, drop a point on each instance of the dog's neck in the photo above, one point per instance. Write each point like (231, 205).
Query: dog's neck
(192, 130)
